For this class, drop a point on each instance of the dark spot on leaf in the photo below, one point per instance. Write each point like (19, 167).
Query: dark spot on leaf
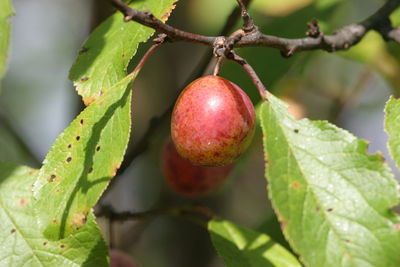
(296, 130)
(62, 246)
(347, 240)
(52, 178)
(81, 121)
(79, 219)
(317, 208)
(77, 138)
(98, 148)
(69, 159)
(22, 202)
(31, 172)
(69, 146)
(83, 50)
(12, 231)
(44, 243)
(329, 210)
(55, 221)
(84, 79)
(90, 170)
(296, 185)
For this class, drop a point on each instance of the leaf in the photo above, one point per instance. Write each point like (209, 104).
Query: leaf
(88, 153)
(240, 246)
(23, 244)
(272, 228)
(6, 11)
(104, 57)
(82, 161)
(333, 199)
(392, 127)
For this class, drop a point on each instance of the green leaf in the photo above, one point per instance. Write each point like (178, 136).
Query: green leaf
(82, 161)
(240, 246)
(272, 228)
(6, 11)
(22, 242)
(392, 127)
(333, 199)
(104, 57)
(88, 153)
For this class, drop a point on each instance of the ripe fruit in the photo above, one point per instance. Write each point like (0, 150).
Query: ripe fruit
(213, 122)
(187, 179)
(120, 259)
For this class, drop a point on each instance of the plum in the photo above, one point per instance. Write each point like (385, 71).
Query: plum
(213, 122)
(189, 180)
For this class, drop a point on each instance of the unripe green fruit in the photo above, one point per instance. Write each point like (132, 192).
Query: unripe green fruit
(213, 122)
(189, 180)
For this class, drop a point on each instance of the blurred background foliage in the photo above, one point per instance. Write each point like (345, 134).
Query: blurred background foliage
(37, 102)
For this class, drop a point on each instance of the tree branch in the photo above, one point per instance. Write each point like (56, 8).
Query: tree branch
(342, 39)
(248, 24)
(148, 19)
(196, 213)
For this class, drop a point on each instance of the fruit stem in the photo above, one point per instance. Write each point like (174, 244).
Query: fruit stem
(159, 40)
(251, 72)
(217, 66)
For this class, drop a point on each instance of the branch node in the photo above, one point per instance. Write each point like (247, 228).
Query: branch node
(219, 46)
(149, 15)
(313, 29)
(248, 24)
(161, 38)
(289, 52)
